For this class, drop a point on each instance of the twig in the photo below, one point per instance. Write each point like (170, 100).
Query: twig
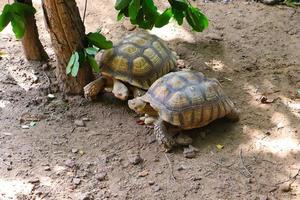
(222, 165)
(84, 12)
(292, 178)
(170, 167)
(241, 157)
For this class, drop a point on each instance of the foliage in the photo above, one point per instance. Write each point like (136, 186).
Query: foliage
(144, 14)
(95, 42)
(15, 14)
(292, 3)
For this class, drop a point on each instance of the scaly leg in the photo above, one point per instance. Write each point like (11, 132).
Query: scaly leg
(162, 136)
(93, 88)
(120, 90)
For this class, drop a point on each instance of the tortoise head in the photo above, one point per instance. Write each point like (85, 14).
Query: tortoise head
(138, 105)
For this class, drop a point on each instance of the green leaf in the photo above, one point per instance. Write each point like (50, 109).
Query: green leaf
(5, 16)
(298, 92)
(121, 4)
(70, 63)
(180, 5)
(23, 9)
(32, 124)
(178, 15)
(120, 15)
(91, 51)
(75, 67)
(18, 25)
(150, 11)
(134, 7)
(164, 18)
(99, 41)
(93, 64)
(196, 19)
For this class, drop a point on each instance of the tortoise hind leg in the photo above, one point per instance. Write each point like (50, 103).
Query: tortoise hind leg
(162, 136)
(234, 115)
(93, 88)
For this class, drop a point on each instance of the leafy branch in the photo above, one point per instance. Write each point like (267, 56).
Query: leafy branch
(95, 42)
(15, 14)
(144, 14)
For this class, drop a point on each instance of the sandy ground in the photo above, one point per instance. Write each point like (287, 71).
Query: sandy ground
(253, 49)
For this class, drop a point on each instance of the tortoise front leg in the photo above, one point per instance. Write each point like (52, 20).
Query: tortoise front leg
(93, 88)
(162, 135)
(120, 90)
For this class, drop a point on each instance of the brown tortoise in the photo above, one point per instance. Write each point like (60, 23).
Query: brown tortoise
(183, 100)
(132, 65)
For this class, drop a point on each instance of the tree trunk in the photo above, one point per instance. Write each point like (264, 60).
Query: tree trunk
(33, 48)
(67, 35)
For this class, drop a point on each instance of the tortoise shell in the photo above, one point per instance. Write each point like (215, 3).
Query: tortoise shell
(188, 99)
(138, 59)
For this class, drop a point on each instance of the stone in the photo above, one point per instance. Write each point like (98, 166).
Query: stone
(70, 163)
(134, 158)
(190, 152)
(79, 123)
(285, 187)
(76, 181)
(101, 176)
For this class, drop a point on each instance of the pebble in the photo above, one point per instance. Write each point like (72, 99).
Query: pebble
(101, 176)
(151, 182)
(51, 96)
(70, 163)
(86, 196)
(143, 173)
(47, 168)
(156, 188)
(285, 187)
(34, 181)
(79, 123)
(86, 119)
(25, 127)
(134, 158)
(75, 150)
(76, 181)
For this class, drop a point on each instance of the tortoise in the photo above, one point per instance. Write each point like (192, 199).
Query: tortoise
(183, 100)
(132, 65)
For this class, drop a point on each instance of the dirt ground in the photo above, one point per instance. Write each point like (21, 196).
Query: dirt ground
(253, 49)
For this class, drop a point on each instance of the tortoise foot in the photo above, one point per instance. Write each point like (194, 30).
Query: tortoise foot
(166, 140)
(93, 88)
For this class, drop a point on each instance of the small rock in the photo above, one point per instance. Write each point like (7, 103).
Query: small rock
(79, 123)
(75, 150)
(47, 168)
(190, 152)
(70, 163)
(101, 176)
(134, 158)
(34, 181)
(9, 168)
(51, 96)
(180, 63)
(86, 119)
(151, 182)
(285, 187)
(180, 168)
(156, 188)
(25, 127)
(143, 173)
(76, 181)
(86, 196)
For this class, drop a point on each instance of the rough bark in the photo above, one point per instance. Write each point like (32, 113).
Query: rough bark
(67, 35)
(33, 48)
